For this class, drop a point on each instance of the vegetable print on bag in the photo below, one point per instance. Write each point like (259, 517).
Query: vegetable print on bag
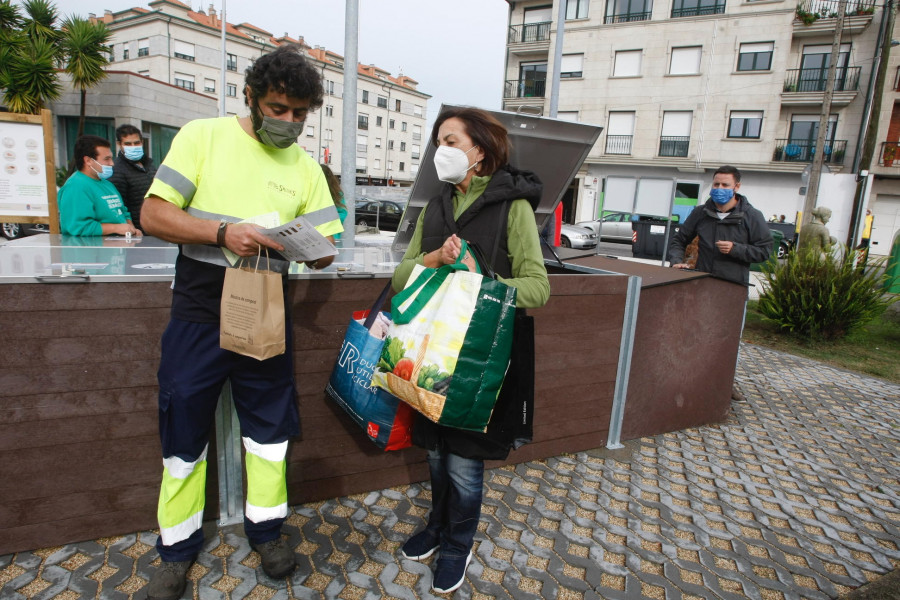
(448, 347)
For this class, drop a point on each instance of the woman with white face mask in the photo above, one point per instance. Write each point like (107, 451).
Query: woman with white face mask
(489, 203)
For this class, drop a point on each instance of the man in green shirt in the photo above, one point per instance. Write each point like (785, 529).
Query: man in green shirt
(89, 205)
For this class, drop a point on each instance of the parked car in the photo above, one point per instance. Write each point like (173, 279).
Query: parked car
(12, 231)
(614, 227)
(580, 238)
(383, 214)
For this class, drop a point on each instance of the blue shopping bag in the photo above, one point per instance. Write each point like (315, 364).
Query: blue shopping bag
(385, 419)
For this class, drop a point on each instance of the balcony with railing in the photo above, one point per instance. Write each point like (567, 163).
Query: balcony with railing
(807, 86)
(674, 145)
(530, 33)
(696, 8)
(890, 155)
(618, 144)
(627, 17)
(846, 79)
(817, 17)
(521, 88)
(788, 150)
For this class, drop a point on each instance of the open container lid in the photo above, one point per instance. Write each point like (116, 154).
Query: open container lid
(551, 148)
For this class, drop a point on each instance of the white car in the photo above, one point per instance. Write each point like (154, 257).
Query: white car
(615, 227)
(574, 236)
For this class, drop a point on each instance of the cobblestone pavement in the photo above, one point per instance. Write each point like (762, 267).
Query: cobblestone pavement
(795, 496)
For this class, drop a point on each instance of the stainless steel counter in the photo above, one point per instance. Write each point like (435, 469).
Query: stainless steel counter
(52, 258)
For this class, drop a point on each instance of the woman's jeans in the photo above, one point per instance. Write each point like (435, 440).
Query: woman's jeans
(456, 490)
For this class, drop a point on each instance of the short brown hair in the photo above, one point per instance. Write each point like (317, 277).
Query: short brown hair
(486, 132)
(729, 170)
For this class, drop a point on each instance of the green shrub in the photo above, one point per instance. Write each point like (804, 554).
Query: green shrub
(61, 175)
(818, 295)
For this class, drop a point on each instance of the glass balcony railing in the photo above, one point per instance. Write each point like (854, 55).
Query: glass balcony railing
(846, 79)
(529, 33)
(670, 145)
(523, 88)
(796, 150)
(618, 144)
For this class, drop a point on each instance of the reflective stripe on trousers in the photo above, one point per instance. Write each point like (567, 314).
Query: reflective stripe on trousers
(182, 495)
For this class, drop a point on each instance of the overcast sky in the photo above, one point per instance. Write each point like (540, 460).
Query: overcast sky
(455, 49)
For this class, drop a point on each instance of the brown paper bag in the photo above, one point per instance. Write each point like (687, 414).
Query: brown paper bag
(252, 312)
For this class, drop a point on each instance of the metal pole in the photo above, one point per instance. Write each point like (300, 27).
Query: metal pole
(387, 139)
(557, 58)
(812, 192)
(880, 50)
(321, 138)
(224, 56)
(623, 370)
(228, 458)
(348, 124)
(868, 128)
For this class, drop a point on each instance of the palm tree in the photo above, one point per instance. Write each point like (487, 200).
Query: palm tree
(41, 21)
(29, 77)
(85, 48)
(10, 19)
(28, 55)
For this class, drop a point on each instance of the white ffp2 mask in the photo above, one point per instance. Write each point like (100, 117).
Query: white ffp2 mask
(452, 164)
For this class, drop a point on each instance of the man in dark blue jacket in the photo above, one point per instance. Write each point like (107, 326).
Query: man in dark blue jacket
(732, 233)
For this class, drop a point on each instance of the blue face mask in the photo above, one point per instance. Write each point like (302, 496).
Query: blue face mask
(105, 171)
(133, 152)
(721, 195)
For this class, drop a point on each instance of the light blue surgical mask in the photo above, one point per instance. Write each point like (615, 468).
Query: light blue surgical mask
(133, 152)
(105, 171)
(721, 195)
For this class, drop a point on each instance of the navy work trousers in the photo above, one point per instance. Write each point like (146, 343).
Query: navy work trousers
(192, 371)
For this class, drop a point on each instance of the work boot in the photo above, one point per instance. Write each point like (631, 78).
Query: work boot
(169, 580)
(421, 546)
(277, 559)
(450, 573)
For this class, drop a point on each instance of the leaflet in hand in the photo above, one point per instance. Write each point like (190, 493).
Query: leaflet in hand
(301, 241)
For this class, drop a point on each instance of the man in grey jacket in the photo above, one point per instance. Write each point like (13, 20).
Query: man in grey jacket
(732, 233)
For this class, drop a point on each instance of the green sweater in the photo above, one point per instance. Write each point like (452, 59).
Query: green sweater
(529, 273)
(85, 203)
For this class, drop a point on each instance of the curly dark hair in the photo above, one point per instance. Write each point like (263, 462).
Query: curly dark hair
(87, 145)
(486, 132)
(287, 71)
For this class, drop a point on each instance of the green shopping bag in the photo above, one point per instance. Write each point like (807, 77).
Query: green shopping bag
(448, 348)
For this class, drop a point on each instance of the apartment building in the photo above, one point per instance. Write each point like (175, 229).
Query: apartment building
(174, 44)
(683, 86)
